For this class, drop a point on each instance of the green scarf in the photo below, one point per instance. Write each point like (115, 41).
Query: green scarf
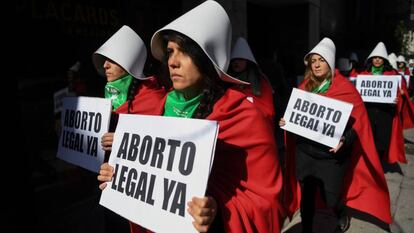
(323, 87)
(377, 70)
(177, 106)
(117, 90)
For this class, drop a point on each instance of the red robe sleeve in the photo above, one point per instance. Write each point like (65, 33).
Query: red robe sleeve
(365, 185)
(353, 73)
(246, 178)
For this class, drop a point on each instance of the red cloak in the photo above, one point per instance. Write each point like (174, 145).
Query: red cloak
(403, 119)
(246, 179)
(364, 185)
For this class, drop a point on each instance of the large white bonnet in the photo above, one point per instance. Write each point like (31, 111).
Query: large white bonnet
(379, 51)
(242, 50)
(392, 59)
(126, 49)
(401, 58)
(326, 49)
(209, 26)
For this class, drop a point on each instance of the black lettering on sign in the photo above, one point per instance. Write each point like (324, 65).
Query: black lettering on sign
(114, 181)
(370, 93)
(178, 202)
(92, 146)
(143, 191)
(138, 184)
(72, 140)
(387, 93)
(297, 104)
(303, 121)
(123, 148)
(154, 149)
(328, 129)
(363, 83)
(187, 158)
(157, 154)
(133, 148)
(173, 147)
(145, 150)
(82, 120)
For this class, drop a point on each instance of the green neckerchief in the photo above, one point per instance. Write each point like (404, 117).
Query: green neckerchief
(323, 87)
(177, 106)
(117, 90)
(377, 70)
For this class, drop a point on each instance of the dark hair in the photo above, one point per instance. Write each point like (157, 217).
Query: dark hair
(151, 68)
(253, 75)
(213, 87)
(132, 92)
(387, 65)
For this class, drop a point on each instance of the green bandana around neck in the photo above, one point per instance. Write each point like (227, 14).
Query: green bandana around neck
(177, 106)
(323, 87)
(117, 90)
(377, 70)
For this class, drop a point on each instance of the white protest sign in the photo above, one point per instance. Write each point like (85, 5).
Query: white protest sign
(316, 117)
(160, 164)
(84, 120)
(378, 88)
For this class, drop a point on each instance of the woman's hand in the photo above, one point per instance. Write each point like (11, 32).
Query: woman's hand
(340, 144)
(105, 174)
(282, 122)
(396, 100)
(203, 210)
(107, 140)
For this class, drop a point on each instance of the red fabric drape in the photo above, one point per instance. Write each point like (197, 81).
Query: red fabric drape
(246, 179)
(365, 185)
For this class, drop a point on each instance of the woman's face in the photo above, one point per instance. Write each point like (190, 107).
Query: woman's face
(377, 61)
(184, 74)
(238, 65)
(320, 67)
(112, 70)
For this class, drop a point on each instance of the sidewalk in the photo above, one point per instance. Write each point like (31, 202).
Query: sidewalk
(400, 180)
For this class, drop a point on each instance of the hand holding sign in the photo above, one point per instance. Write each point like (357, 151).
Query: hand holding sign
(105, 175)
(203, 210)
(106, 141)
(282, 122)
(334, 150)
